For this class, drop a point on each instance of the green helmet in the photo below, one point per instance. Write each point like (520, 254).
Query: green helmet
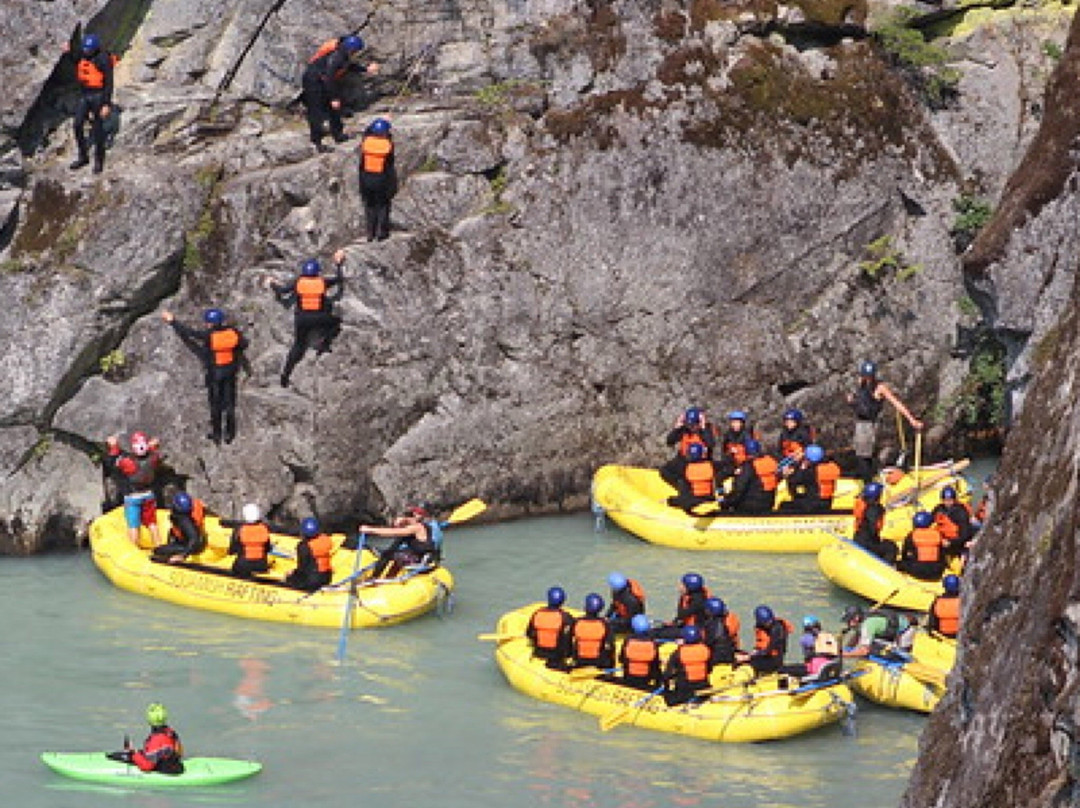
(157, 715)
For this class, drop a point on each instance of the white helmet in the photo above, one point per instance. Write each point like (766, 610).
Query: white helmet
(251, 512)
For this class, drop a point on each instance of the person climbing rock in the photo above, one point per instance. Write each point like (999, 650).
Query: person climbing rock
(322, 83)
(94, 73)
(136, 472)
(378, 178)
(867, 401)
(312, 297)
(221, 348)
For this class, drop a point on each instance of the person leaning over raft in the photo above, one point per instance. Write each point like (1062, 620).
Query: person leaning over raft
(161, 751)
(313, 558)
(221, 349)
(187, 529)
(378, 178)
(137, 474)
(322, 83)
(867, 402)
(549, 630)
(414, 531)
(250, 543)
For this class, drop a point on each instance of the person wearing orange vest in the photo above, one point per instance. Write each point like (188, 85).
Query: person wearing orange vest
(923, 553)
(312, 297)
(137, 475)
(720, 628)
(953, 520)
(592, 642)
(221, 348)
(94, 73)
(698, 484)
(187, 530)
(688, 668)
(770, 641)
(754, 483)
(250, 543)
(869, 520)
(640, 656)
(691, 427)
(549, 630)
(805, 483)
(313, 558)
(627, 601)
(945, 609)
(322, 83)
(378, 178)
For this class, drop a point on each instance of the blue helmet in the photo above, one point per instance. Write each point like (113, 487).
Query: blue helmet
(309, 528)
(352, 43)
(593, 604)
(868, 369)
(873, 491)
(640, 624)
(951, 584)
(182, 502)
(736, 415)
(214, 317)
(810, 621)
(793, 415)
(948, 492)
(617, 581)
(814, 453)
(922, 519)
(691, 634)
(753, 447)
(763, 615)
(715, 606)
(379, 126)
(310, 268)
(696, 452)
(693, 582)
(91, 43)
(692, 416)
(556, 597)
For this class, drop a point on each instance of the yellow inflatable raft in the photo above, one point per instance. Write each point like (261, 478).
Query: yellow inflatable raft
(740, 709)
(851, 567)
(895, 683)
(205, 582)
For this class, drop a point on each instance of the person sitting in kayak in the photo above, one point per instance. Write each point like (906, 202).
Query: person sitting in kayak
(923, 553)
(313, 558)
(688, 668)
(250, 543)
(187, 530)
(549, 630)
(627, 601)
(161, 751)
(754, 483)
(640, 656)
(415, 534)
(720, 631)
(869, 520)
(698, 483)
(770, 641)
(691, 428)
(592, 642)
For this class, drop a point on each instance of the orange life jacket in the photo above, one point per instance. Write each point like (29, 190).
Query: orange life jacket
(827, 475)
(702, 478)
(684, 604)
(321, 548)
(636, 590)
(765, 468)
(690, 438)
(731, 622)
(947, 611)
(375, 152)
(640, 655)
(860, 515)
(588, 635)
(762, 638)
(89, 75)
(223, 343)
(253, 539)
(547, 623)
(310, 293)
(198, 516)
(948, 529)
(927, 541)
(694, 659)
(325, 49)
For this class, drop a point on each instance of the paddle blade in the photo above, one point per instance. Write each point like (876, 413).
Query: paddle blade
(466, 511)
(613, 719)
(497, 637)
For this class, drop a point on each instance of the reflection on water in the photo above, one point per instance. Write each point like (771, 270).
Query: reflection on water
(418, 713)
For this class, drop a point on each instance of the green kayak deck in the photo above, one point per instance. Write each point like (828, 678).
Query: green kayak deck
(96, 767)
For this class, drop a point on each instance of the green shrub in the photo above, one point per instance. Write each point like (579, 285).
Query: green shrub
(972, 214)
(883, 257)
(924, 64)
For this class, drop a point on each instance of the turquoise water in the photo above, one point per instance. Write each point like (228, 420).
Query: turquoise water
(418, 714)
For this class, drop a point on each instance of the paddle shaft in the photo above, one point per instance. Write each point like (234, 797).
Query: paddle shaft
(346, 617)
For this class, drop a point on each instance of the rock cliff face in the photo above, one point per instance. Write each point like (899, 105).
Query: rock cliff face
(1008, 732)
(608, 211)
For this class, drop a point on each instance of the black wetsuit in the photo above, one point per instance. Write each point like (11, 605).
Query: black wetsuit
(220, 378)
(89, 106)
(320, 327)
(321, 83)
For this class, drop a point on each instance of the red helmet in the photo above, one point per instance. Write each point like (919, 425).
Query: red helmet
(140, 443)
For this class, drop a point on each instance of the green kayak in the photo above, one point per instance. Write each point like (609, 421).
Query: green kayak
(96, 767)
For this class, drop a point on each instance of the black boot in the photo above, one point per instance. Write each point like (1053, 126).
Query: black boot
(79, 162)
